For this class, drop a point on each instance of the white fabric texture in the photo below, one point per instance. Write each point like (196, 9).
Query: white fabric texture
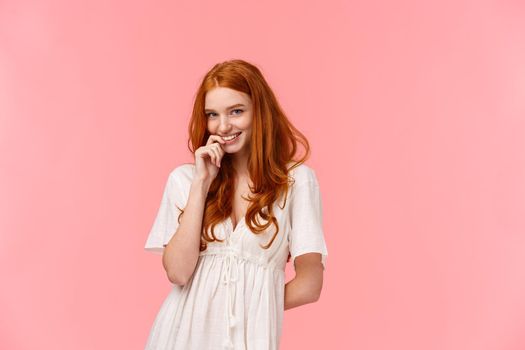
(235, 297)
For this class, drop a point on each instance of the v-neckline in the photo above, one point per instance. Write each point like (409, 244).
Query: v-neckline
(238, 223)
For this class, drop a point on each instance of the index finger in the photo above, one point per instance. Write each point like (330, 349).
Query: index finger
(215, 138)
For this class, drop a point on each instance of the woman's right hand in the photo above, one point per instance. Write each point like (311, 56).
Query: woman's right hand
(208, 158)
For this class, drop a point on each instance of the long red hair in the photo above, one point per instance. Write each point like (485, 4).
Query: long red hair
(273, 147)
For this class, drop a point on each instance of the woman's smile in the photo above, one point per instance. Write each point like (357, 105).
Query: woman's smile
(232, 138)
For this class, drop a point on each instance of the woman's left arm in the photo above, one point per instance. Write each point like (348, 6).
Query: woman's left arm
(306, 286)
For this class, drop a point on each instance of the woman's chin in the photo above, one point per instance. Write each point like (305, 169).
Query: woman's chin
(232, 149)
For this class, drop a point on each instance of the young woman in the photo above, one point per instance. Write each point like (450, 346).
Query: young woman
(228, 224)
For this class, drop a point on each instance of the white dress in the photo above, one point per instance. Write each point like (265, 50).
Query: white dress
(235, 297)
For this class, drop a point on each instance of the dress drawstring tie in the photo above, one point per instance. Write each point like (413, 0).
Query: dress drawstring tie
(229, 264)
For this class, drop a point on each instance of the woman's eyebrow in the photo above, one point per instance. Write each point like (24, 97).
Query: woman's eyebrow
(235, 105)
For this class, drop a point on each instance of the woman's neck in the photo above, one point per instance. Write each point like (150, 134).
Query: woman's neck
(240, 163)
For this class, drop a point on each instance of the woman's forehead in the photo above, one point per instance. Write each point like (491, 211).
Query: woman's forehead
(224, 98)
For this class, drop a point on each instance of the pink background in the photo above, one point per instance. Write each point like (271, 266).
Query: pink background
(415, 111)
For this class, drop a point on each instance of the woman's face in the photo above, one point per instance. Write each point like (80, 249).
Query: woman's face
(229, 113)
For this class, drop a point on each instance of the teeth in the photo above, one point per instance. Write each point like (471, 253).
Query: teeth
(228, 138)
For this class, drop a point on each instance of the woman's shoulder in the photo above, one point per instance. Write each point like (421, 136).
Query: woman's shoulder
(183, 172)
(303, 174)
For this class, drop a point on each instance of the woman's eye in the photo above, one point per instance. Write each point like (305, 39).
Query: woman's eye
(212, 114)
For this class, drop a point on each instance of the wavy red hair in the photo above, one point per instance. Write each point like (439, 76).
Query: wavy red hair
(273, 148)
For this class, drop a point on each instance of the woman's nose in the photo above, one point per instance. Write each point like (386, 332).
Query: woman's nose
(224, 124)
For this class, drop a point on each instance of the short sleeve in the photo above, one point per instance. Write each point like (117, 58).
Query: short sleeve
(306, 219)
(166, 221)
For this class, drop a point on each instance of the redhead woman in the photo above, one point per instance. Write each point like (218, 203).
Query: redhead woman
(229, 222)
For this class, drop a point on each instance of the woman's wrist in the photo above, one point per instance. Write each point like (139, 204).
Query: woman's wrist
(201, 185)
